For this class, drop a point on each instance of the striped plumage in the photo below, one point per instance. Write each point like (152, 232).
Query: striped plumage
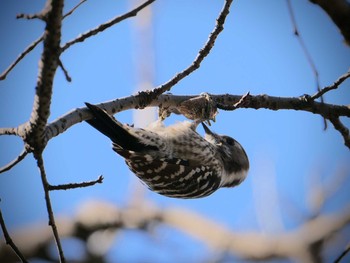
(175, 161)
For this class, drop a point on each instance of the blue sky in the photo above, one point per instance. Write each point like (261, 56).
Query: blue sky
(256, 52)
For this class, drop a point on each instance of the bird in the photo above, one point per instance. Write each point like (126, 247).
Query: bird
(175, 161)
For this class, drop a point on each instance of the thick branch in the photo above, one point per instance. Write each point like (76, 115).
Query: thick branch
(255, 102)
(296, 243)
(47, 67)
(8, 131)
(256, 245)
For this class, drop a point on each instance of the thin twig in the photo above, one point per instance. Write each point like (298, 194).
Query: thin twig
(32, 16)
(31, 47)
(106, 25)
(73, 9)
(238, 104)
(335, 85)
(342, 129)
(342, 255)
(11, 164)
(306, 53)
(46, 185)
(99, 180)
(302, 44)
(200, 56)
(65, 72)
(21, 56)
(9, 240)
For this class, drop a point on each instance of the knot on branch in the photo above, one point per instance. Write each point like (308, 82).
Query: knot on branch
(201, 108)
(145, 98)
(243, 101)
(306, 98)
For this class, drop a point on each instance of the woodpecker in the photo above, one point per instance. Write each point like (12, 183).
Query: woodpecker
(175, 161)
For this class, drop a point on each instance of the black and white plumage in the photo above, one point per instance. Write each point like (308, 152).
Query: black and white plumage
(175, 161)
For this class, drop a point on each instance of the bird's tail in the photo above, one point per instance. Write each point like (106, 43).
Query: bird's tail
(113, 129)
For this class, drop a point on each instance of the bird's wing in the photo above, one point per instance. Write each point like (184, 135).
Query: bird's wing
(174, 177)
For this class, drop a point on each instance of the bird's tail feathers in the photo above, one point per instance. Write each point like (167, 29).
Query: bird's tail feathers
(113, 129)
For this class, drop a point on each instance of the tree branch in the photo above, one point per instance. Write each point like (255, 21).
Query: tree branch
(106, 25)
(167, 101)
(342, 129)
(74, 8)
(342, 255)
(99, 180)
(20, 57)
(9, 240)
(11, 164)
(65, 72)
(295, 244)
(306, 53)
(35, 128)
(335, 85)
(9, 131)
(148, 96)
(33, 45)
(52, 223)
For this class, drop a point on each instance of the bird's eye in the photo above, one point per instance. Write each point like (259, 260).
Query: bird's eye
(230, 141)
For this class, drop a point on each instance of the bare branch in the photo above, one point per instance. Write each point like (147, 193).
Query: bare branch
(343, 254)
(74, 8)
(9, 240)
(106, 25)
(168, 100)
(237, 105)
(11, 164)
(335, 85)
(68, 78)
(8, 131)
(97, 215)
(339, 12)
(342, 129)
(306, 52)
(32, 46)
(303, 46)
(20, 57)
(264, 247)
(99, 180)
(48, 64)
(29, 17)
(151, 95)
(52, 223)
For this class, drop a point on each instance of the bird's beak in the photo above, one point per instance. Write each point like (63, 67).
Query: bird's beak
(210, 136)
(206, 129)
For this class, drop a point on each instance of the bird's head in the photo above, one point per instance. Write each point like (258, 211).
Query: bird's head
(232, 154)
